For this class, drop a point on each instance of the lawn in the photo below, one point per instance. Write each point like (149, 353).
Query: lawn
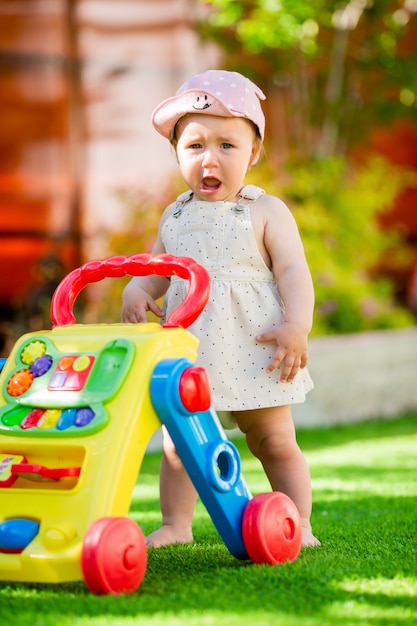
(365, 573)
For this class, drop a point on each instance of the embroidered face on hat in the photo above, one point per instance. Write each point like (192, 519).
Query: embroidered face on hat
(214, 92)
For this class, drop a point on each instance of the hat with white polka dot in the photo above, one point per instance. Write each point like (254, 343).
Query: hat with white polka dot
(214, 92)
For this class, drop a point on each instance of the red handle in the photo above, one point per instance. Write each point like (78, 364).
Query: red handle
(135, 265)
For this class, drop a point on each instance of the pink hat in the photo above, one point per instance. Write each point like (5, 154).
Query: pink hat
(214, 92)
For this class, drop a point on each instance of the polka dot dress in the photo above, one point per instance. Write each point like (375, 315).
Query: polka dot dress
(244, 302)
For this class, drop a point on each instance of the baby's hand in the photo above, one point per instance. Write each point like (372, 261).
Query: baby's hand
(134, 309)
(291, 353)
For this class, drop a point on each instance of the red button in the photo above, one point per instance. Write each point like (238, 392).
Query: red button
(32, 418)
(195, 390)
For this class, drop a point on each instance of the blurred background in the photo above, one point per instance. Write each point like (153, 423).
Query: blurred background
(83, 174)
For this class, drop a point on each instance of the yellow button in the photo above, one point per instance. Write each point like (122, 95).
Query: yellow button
(81, 363)
(49, 419)
(33, 351)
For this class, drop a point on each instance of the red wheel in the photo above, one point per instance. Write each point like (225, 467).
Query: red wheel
(271, 529)
(114, 556)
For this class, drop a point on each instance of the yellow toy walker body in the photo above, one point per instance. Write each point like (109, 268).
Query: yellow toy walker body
(78, 405)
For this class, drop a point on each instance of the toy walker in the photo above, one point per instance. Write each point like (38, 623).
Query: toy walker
(78, 405)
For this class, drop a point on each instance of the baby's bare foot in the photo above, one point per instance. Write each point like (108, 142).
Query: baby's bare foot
(308, 539)
(168, 535)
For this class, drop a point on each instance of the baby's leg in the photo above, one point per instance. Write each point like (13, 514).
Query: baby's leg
(178, 498)
(270, 435)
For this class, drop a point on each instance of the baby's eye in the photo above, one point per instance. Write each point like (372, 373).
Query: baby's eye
(195, 146)
(226, 145)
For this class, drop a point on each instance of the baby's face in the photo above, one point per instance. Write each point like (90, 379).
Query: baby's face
(214, 154)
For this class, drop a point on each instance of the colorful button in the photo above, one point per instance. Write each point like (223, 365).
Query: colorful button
(58, 380)
(32, 419)
(40, 366)
(32, 351)
(81, 363)
(19, 383)
(16, 534)
(84, 416)
(65, 363)
(14, 416)
(67, 419)
(49, 419)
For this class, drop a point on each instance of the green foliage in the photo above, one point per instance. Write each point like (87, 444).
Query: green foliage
(344, 68)
(261, 25)
(337, 209)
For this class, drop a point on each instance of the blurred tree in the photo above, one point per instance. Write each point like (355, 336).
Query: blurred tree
(341, 67)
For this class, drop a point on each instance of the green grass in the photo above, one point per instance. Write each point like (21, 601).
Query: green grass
(365, 573)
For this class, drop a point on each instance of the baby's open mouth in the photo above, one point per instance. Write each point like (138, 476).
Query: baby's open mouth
(211, 183)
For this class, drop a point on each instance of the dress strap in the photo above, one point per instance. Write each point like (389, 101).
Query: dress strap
(182, 199)
(251, 192)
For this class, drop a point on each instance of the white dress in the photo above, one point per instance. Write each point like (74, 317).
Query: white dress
(244, 302)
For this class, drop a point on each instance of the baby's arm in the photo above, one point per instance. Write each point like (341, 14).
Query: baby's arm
(141, 293)
(289, 265)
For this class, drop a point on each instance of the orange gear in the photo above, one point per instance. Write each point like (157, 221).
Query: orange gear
(19, 383)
